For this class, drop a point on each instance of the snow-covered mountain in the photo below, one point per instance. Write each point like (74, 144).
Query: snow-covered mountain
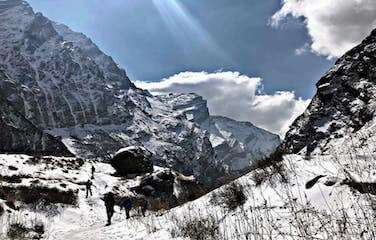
(345, 102)
(236, 144)
(64, 84)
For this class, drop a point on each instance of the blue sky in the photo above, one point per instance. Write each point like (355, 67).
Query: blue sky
(153, 39)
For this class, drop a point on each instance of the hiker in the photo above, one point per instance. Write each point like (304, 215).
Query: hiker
(88, 188)
(126, 203)
(109, 202)
(143, 205)
(92, 171)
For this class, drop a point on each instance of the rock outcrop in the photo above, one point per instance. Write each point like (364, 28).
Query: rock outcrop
(165, 188)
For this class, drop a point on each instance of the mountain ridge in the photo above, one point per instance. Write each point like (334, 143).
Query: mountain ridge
(343, 104)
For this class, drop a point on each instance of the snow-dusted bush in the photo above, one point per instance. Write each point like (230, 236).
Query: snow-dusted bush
(17, 231)
(268, 173)
(231, 196)
(205, 228)
(34, 194)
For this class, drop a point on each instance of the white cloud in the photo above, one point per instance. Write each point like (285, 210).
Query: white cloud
(335, 26)
(236, 96)
(302, 50)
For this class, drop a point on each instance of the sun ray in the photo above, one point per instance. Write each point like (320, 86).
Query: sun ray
(184, 27)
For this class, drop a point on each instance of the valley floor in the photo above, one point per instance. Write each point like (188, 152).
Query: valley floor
(320, 197)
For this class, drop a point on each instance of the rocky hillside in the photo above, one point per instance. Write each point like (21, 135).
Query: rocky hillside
(19, 135)
(63, 82)
(344, 103)
(65, 85)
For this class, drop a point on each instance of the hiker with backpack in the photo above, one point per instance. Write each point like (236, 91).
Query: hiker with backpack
(126, 204)
(109, 202)
(88, 185)
(143, 203)
(92, 171)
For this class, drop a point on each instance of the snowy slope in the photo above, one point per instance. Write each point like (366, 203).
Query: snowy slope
(51, 191)
(273, 210)
(296, 208)
(304, 198)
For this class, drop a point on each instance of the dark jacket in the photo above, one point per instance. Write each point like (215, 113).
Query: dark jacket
(109, 200)
(126, 203)
(89, 184)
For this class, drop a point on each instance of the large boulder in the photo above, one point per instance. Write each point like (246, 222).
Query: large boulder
(165, 188)
(132, 160)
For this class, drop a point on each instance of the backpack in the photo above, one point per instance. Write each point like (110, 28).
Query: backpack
(127, 204)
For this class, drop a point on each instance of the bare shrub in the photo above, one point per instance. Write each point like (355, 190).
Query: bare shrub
(268, 173)
(1, 210)
(231, 196)
(259, 176)
(17, 231)
(266, 169)
(159, 204)
(35, 194)
(198, 229)
(39, 228)
(20, 229)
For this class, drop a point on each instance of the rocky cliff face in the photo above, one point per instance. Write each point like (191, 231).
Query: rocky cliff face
(66, 80)
(64, 84)
(18, 135)
(344, 103)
